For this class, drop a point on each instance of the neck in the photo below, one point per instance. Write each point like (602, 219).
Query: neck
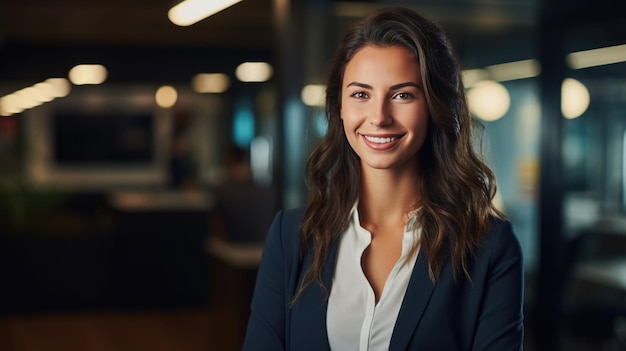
(386, 197)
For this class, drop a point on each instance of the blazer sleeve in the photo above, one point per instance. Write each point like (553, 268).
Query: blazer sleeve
(266, 326)
(500, 323)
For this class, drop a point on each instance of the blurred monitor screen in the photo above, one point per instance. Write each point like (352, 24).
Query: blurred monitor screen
(103, 139)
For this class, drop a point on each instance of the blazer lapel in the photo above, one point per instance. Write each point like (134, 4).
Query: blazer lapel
(415, 300)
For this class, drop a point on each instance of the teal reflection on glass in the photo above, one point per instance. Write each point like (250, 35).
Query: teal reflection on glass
(320, 124)
(243, 124)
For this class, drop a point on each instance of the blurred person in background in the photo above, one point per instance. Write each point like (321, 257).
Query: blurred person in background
(243, 209)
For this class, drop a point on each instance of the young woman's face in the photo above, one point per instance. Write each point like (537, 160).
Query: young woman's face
(383, 107)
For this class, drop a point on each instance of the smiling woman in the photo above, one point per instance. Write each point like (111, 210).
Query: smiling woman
(400, 247)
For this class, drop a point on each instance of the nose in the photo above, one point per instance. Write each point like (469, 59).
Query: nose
(380, 114)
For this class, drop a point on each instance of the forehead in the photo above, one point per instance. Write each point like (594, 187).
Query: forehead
(378, 62)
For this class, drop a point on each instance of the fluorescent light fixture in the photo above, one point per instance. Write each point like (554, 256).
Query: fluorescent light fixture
(210, 83)
(33, 96)
(60, 86)
(514, 70)
(597, 57)
(45, 91)
(254, 71)
(4, 109)
(10, 105)
(27, 99)
(314, 95)
(88, 74)
(189, 12)
(502, 72)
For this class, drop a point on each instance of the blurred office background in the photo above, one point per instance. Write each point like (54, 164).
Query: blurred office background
(127, 143)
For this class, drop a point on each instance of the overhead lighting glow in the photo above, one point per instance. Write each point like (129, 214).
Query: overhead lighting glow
(502, 72)
(88, 74)
(4, 110)
(514, 70)
(189, 12)
(574, 98)
(472, 76)
(33, 96)
(44, 91)
(166, 96)
(597, 57)
(27, 99)
(210, 83)
(60, 86)
(10, 105)
(254, 72)
(314, 95)
(488, 100)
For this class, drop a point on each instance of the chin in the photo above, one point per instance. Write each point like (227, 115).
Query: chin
(380, 165)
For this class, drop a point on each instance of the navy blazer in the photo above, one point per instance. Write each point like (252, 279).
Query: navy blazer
(484, 314)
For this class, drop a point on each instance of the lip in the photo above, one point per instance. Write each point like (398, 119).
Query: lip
(381, 142)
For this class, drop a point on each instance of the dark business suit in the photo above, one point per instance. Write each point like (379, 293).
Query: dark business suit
(485, 314)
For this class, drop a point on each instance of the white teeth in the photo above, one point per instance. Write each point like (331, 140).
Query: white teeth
(380, 140)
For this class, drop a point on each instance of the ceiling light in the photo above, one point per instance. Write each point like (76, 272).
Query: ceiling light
(4, 110)
(88, 74)
(33, 96)
(60, 86)
(189, 12)
(27, 98)
(514, 70)
(254, 72)
(597, 57)
(210, 83)
(10, 105)
(45, 91)
(574, 98)
(314, 95)
(166, 96)
(488, 100)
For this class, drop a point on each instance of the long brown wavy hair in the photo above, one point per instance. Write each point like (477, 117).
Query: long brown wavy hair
(456, 187)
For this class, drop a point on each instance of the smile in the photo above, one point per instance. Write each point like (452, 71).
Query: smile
(380, 140)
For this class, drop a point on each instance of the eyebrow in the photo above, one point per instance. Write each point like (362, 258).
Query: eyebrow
(393, 87)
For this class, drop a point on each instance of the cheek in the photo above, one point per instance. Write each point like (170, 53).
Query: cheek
(352, 115)
(349, 128)
(347, 117)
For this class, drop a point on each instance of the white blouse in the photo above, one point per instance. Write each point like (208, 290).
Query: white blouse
(354, 320)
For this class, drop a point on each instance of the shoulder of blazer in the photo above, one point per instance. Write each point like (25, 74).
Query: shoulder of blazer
(288, 223)
(292, 219)
(501, 232)
(501, 241)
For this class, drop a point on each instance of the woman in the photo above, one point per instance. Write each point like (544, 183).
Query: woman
(400, 247)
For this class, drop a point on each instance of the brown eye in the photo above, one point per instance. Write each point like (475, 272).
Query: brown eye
(359, 95)
(402, 96)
